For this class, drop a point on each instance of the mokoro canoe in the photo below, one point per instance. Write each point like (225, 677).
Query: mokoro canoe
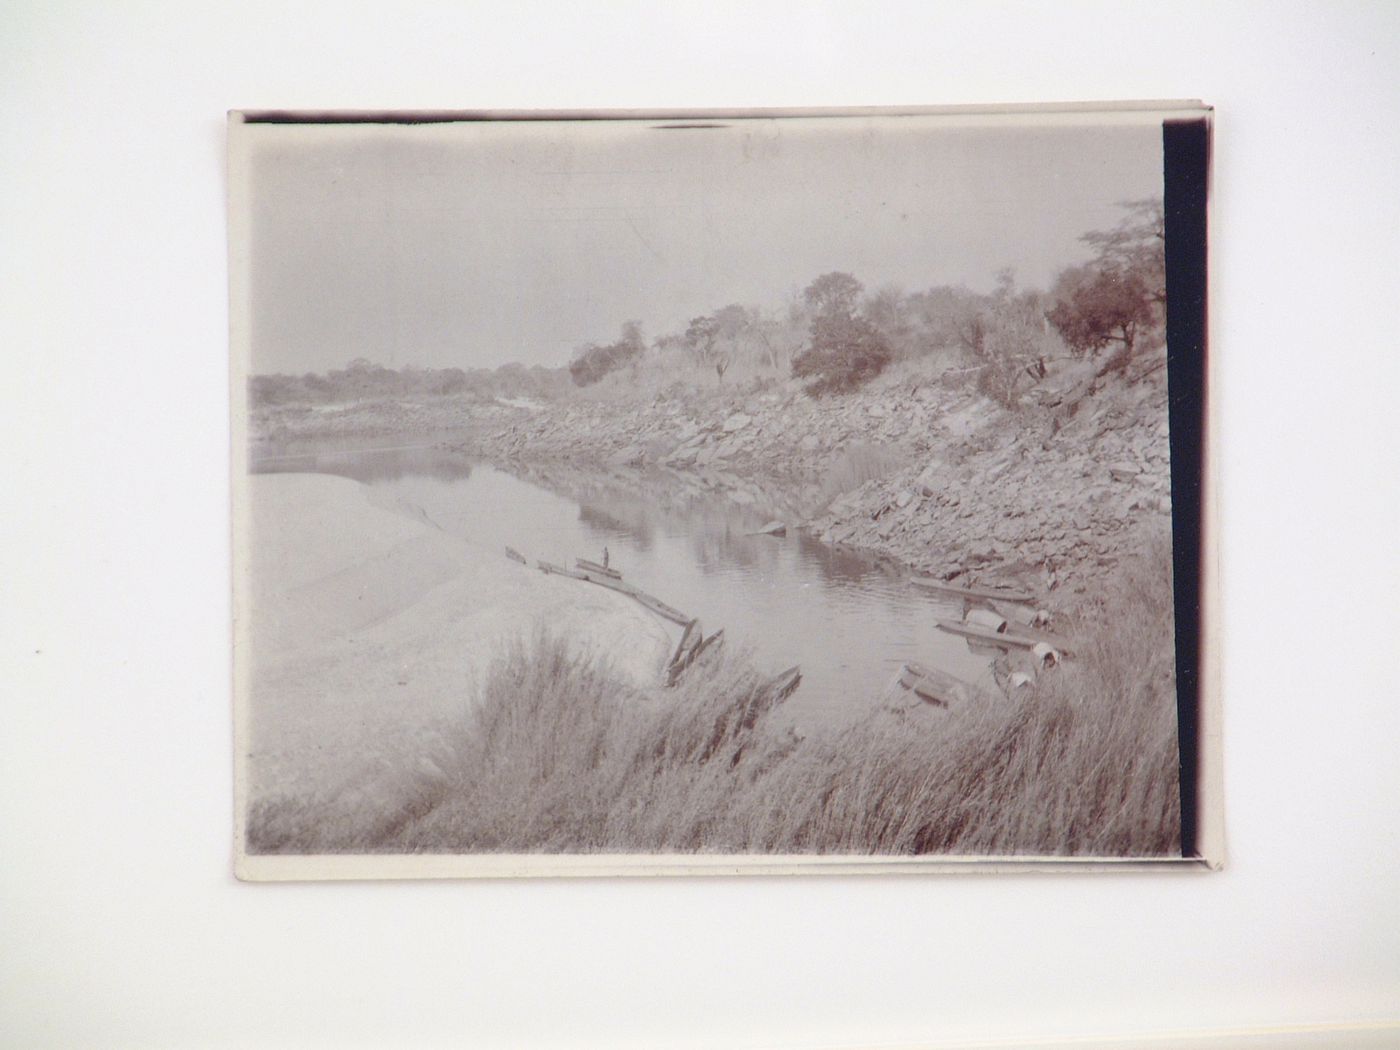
(685, 651)
(715, 642)
(656, 605)
(988, 618)
(986, 593)
(938, 687)
(550, 569)
(1016, 612)
(1014, 637)
(592, 566)
(783, 686)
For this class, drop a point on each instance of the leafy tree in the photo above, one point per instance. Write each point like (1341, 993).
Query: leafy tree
(632, 336)
(1120, 293)
(1137, 245)
(833, 294)
(700, 338)
(889, 311)
(845, 350)
(732, 323)
(1013, 349)
(945, 317)
(778, 338)
(592, 362)
(1097, 307)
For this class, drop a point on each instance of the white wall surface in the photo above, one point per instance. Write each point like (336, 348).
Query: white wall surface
(120, 923)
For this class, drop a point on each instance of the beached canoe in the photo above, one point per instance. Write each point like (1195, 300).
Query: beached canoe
(714, 641)
(685, 651)
(585, 565)
(550, 569)
(1011, 638)
(656, 605)
(983, 593)
(939, 687)
(783, 686)
(988, 618)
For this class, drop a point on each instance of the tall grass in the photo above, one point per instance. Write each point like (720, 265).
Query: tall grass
(558, 756)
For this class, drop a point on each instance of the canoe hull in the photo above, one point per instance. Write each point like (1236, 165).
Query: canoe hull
(938, 687)
(980, 593)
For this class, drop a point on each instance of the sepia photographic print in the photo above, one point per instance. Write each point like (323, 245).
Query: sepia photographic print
(673, 493)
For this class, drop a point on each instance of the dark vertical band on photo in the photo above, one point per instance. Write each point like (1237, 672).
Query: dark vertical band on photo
(1186, 160)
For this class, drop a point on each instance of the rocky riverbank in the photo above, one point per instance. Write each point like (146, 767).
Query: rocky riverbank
(1054, 495)
(917, 466)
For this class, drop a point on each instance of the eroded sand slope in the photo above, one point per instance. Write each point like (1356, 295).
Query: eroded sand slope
(365, 631)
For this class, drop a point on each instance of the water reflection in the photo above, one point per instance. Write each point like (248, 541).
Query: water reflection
(640, 532)
(367, 465)
(849, 620)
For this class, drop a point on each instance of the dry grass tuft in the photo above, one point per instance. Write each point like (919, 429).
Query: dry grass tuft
(557, 756)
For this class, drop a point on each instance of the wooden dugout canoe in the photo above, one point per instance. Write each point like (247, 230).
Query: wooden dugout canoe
(783, 686)
(1011, 638)
(655, 605)
(584, 565)
(938, 687)
(685, 652)
(982, 593)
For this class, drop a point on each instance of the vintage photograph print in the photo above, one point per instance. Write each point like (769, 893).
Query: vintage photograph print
(722, 492)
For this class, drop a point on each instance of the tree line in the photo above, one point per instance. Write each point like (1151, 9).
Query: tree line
(362, 380)
(836, 336)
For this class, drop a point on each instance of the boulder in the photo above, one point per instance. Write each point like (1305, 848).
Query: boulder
(927, 480)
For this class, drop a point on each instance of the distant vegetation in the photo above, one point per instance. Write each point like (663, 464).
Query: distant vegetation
(558, 756)
(592, 362)
(362, 380)
(835, 336)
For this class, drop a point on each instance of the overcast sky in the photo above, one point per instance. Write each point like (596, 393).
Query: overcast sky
(481, 243)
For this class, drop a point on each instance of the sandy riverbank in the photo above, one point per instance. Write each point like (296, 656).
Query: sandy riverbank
(365, 634)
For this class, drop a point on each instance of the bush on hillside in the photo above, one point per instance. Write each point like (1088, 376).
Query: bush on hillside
(845, 350)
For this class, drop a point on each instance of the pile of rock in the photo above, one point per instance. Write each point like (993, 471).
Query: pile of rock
(1067, 504)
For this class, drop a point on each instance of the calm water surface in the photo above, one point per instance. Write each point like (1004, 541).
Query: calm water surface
(846, 619)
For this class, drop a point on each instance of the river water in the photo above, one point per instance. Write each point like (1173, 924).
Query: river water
(847, 619)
